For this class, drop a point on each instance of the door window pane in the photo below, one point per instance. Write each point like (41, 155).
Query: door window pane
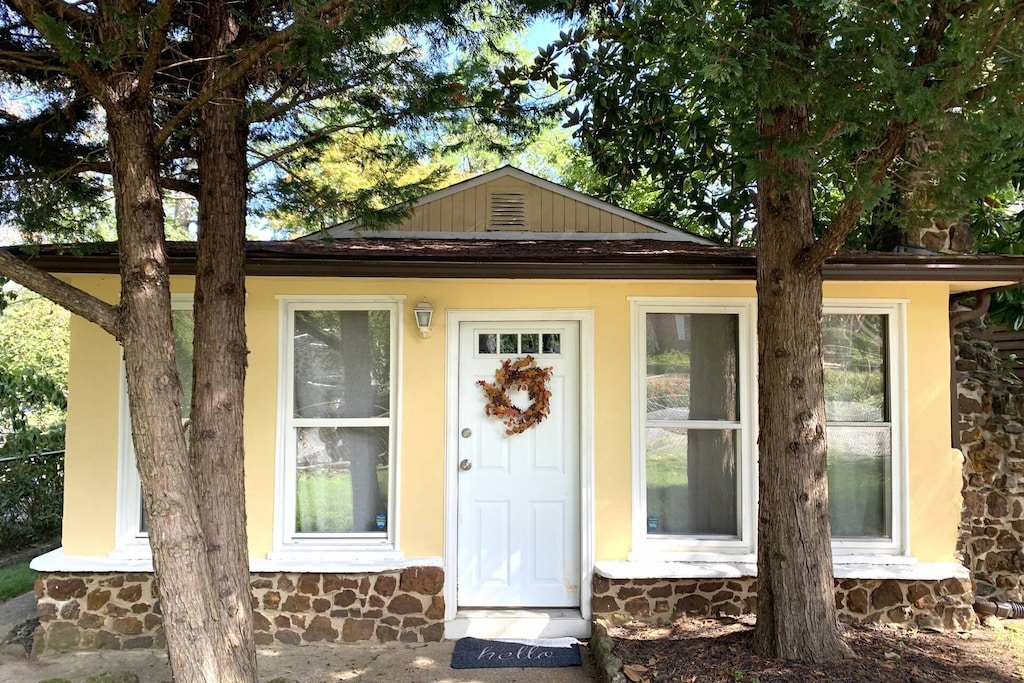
(341, 364)
(552, 343)
(510, 343)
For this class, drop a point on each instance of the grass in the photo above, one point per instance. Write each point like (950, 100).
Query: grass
(324, 501)
(858, 487)
(15, 580)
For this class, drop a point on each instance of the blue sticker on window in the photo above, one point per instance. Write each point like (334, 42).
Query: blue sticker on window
(382, 521)
(652, 523)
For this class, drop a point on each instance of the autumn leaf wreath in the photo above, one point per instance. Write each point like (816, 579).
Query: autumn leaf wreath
(522, 375)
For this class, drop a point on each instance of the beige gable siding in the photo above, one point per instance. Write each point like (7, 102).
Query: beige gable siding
(473, 210)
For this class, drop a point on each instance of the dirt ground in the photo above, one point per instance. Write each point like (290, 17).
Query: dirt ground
(720, 650)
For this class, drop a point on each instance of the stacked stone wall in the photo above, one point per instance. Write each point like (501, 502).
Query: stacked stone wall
(935, 605)
(991, 406)
(122, 611)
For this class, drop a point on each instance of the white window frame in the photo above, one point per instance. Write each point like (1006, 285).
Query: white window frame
(697, 548)
(129, 542)
(852, 550)
(288, 544)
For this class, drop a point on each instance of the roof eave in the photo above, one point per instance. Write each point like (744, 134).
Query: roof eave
(640, 268)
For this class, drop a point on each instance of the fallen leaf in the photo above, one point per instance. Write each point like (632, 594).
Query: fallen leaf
(634, 672)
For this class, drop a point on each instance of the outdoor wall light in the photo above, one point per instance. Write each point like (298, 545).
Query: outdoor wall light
(424, 313)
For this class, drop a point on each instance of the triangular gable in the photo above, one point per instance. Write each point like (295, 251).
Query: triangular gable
(511, 204)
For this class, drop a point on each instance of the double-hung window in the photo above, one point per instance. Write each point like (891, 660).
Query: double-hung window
(694, 464)
(338, 406)
(132, 538)
(693, 436)
(861, 353)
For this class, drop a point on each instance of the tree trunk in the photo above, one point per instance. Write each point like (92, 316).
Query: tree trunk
(188, 595)
(796, 615)
(219, 348)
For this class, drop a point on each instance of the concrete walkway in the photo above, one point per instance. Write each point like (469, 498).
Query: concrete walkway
(315, 663)
(15, 611)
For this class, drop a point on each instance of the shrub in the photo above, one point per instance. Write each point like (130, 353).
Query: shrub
(31, 499)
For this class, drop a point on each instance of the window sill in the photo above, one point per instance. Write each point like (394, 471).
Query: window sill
(117, 561)
(335, 562)
(880, 567)
(339, 561)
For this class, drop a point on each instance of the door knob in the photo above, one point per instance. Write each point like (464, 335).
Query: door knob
(465, 465)
(466, 433)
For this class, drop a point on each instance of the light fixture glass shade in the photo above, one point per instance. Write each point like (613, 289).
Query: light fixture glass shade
(424, 314)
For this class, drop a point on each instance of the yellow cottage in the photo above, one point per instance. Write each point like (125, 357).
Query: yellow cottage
(392, 496)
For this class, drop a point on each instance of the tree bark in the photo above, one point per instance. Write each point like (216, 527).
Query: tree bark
(796, 615)
(195, 633)
(219, 346)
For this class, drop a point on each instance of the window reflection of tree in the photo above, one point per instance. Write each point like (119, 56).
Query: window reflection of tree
(342, 370)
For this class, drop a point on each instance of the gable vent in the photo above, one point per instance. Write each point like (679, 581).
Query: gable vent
(508, 211)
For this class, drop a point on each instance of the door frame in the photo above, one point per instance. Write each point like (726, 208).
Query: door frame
(585, 319)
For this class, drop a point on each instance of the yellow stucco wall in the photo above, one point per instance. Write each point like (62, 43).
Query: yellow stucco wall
(94, 403)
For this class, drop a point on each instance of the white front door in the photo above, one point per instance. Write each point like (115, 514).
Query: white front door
(519, 494)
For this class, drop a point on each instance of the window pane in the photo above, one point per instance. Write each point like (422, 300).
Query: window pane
(860, 481)
(341, 480)
(488, 343)
(530, 343)
(691, 482)
(510, 343)
(853, 350)
(552, 343)
(692, 366)
(342, 363)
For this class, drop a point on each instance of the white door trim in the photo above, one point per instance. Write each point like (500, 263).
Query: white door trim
(585, 318)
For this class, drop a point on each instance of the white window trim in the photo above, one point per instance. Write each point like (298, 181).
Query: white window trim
(696, 548)
(130, 543)
(287, 545)
(847, 551)
(862, 549)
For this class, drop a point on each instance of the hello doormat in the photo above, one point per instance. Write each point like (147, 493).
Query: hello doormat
(476, 653)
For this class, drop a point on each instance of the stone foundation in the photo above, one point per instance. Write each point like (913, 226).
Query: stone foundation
(991, 406)
(122, 611)
(935, 605)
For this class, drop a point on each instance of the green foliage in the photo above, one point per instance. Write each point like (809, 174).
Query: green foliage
(33, 375)
(998, 228)
(404, 74)
(15, 580)
(31, 499)
(670, 92)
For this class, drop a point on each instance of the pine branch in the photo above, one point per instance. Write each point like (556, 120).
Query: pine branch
(61, 293)
(248, 58)
(845, 220)
(33, 11)
(850, 212)
(162, 13)
(69, 13)
(319, 134)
